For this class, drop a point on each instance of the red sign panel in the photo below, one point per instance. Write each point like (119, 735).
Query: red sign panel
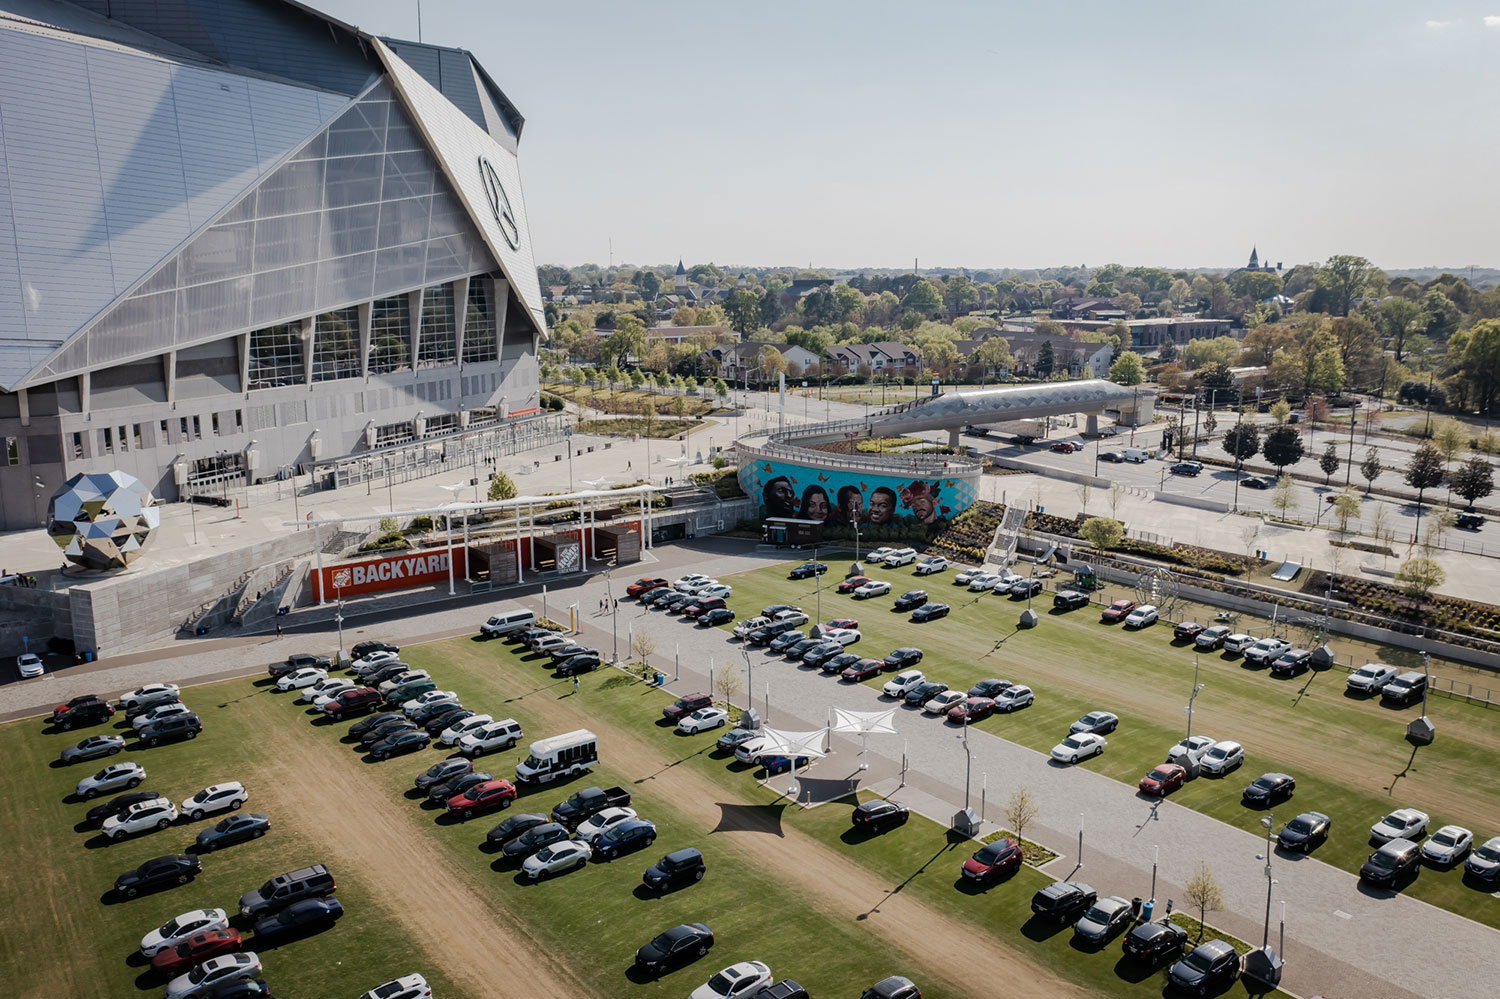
(395, 572)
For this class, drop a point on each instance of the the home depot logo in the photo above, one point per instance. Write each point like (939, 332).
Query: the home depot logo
(390, 573)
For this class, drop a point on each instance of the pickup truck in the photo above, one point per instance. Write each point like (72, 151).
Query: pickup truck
(684, 706)
(588, 802)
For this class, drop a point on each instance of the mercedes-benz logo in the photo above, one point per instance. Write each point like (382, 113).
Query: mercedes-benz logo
(499, 204)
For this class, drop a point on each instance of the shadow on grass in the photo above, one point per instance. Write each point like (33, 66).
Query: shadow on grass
(1134, 970)
(951, 840)
(1396, 778)
(1040, 930)
(137, 960)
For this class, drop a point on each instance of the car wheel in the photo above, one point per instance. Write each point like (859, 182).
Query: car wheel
(134, 781)
(197, 814)
(650, 839)
(182, 879)
(504, 803)
(698, 875)
(163, 823)
(132, 892)
(112, 750)
(468, 813)
(259, 832)
(66, 725)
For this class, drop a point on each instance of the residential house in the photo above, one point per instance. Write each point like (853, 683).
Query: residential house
(741, 361)
(1079, 358)
(884, 358)
(1086, 308)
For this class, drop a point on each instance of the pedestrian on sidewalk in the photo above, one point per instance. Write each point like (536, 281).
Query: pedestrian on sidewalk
(278, 627)
(575, 683)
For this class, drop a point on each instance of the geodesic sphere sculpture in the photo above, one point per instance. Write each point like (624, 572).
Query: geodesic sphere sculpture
(102, 520)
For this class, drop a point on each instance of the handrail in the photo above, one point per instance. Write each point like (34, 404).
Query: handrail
(890, 464)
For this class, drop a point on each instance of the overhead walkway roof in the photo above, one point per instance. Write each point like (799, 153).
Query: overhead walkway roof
(997, 405)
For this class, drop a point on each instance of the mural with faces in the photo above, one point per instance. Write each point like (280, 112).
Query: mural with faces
(894, 506)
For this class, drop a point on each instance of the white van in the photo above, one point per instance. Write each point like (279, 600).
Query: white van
(559, 756)
(1134, 454)
(506, 622)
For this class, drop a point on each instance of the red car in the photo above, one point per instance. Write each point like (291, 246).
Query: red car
(686, 705)
(1117, 611)
(993, 860)
(1066, 447)
(1164, 777)
(843, 622)
(853, 583)
(644, 585)
(862, 670)
(703, 606)
(971, 709)
(484, 797)
(353, 702)
(196, 949)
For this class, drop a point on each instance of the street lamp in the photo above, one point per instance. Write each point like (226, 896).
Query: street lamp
(968, 760)
(1197, 689)
(1269, 820)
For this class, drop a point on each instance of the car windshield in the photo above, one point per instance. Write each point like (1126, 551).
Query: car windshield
(722, 983)
(1299, 825)
(1096, 914)
(1264, 782)
(992, 852)
(1198, 960)
(1157, 775)
(1073, 743)
(1488, 852)
(1382, 859)
(1444, 838)
(1393, 819)
(1217, 754)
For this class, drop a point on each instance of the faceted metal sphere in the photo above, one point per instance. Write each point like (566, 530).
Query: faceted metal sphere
(102, 520)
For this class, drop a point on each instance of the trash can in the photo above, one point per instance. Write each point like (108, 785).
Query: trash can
(660, 680)
(1135, 908)
(202, 629)
(1147, 909)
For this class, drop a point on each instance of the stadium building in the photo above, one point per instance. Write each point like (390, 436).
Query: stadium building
(238, 237)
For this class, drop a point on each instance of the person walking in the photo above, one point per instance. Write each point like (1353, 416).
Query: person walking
(278, 627)
(575, 683)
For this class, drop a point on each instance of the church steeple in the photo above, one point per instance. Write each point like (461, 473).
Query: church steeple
(679, 280)
(1254, 259)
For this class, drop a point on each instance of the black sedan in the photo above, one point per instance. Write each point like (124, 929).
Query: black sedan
(1069, 600)
(929, 612)
(1251, 482)
(405, 741)
(797, 649)
(574, 665)
(807, 569)
(1154, 942)
(784, 641)
(1306, 832)
(514, 826)
(879, 815)
(457, 785)
(1027, 588)
(989, 688)
(235, 829)
(362, 649)
(362, 727)
(569, 651)
(822, 653)
(534, 839)
(715, 617)
(445, 719)
(1209, 968)
(910, 599)
(660, 596)
(1267, 789)
(118, 805)
(382, 732)
(427, 712)
(924, 692)
(175, 868)
(903, 658)
(299, 916)
(679, 945)
(677, 603)
(839, 663)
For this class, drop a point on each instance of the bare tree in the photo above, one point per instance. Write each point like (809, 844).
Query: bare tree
(728, 685)
(1384, 533)
(1248, 534)
(1083, 496)
(1116, 492)
(1204, 893)
(1020, 810)
(643, 646)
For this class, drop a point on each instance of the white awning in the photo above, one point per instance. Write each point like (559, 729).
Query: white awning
(809, 744)
(864, 722)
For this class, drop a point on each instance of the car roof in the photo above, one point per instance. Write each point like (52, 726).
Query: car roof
(683, 855)
(1215, 948)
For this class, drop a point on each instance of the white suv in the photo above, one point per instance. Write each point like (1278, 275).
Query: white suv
(1267, 650)
(898, 685)
(1222, 757)
(931, 564)
(901, 556)
(745, 627)
(156, 814)
(453, 733)
(490, 737)
(215, 798)
(1371, 678)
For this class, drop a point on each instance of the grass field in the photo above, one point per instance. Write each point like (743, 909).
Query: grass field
(781, 888)
(1349, 754)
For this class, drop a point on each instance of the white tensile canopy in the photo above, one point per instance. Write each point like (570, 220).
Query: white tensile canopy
(793, 745)
(865, 723)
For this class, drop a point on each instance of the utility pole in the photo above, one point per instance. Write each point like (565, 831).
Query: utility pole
(1353, 419)
(1269, 821)
(1238, 463)
(1197, 689)
(968, 760)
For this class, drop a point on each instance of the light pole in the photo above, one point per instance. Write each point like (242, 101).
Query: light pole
(338, 616)
(749, 680)
(1155, 856)
(1353, 419)
(1268, 821)
(614, 615)
(968, 761)
(1197, 689)
(390, 487)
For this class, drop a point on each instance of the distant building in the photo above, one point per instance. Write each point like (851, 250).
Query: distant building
(739, 361)
(884, 358)
(1086, 308)
(1079, 358)
(681, 334)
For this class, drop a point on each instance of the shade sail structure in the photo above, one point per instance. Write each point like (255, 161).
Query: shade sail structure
(864, 722)
(809, 744)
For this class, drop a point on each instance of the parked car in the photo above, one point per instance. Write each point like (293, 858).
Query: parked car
(923, 692)
(930, 564)
(874, 588)
(929, 612)
(281, 891)
(461, 727)
(989, 687)
(723, 590)
(1187, 631)
(1069, 599)
(686, 705)
(514, 826)
(839, 663)
(1267, 789)
(1013, 697)
(594, 826)
(701, 605)
(1266, 650)
(1141, 616)
(482, 797)
(1105, 918)
(363, 649)
(1101, 722)
(1066, 447)
(151, 692)
(898, 685)
(903, 657)
(1403, 823)
(235, 829)
(355, 701)
(556, 858)
(1292, 662)
(1447, 846)
(92, 748)
(215, 973)
(112, 777)
(456, 785)
(533, 839)
(690, 581)
(630, 834)
(299, 678)
(299, 916)
(174, 868)
(1405, 689)
(1252, 482)
(1079, 746)
(1237, 643)
(1188, 468)
(143, 817)
(118, 805)
(679, 867)
(364, 726)
(716, 617)
(171, 729)
(1154, 942)
(657, 598)
(807, 570)
(943, 701)
(991, 861)
(371, 660)
(894, 987)
(862, 670)
(968, 710)
(816, 654)
(735, 738)
(1117, 611)
(1208, 969)
(445, 719)
(644, 585)
(702, 720)
(1392, 862)
(1025, 588)
(1211, 637)
(851, 583)
(1063, 901)
(174, 931)
(981, 581)
(420, 716)
(159, 713)
(677, 946)
(589, 801)
(1306, 832)
(784, 641)
(777, 763)
(877, 556)
(879, 815)
(442, 772)
(1371, 678)
(910, 599)
(215, 798)
(1193, 748)
(89, 709)
(405, 740)
(1163, 779)
(1222, 757)
(900, 557)
(747, 978)
(490, 737)
(966, 576)
(1484, 862)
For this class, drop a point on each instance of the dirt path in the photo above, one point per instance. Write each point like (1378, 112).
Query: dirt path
(356, 820)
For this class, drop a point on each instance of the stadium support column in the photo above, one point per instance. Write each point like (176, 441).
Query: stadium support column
(460, 316)
(309, 330)
(953, 438)
(366, 310)
(414, 313)
(169, 378)
(500, 301)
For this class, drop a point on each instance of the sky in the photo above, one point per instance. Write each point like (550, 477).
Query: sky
(999, 134)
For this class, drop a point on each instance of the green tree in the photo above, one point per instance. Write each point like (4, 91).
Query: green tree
(1346, 277)
(1481, 362)
(1419, 576)
(1396, 318)
(1450, 437)
(628, 340)
(720, 388)
(772, 363)
(1119, 331)
(1425, 471)
(993, 355)
(1241, 441)
(1203, 351)
(1345, 508)
(1370, 469)
(923, 298)
(1257, 285)
(1285, 495)
(1128, 369)
(1045, 359)
(1283, 447)
(771, 308)
(1103, 533)
(1281, 411)
(743, 309)
(648, 283)
(501, 487)
(1329, 461)
(1473, 480)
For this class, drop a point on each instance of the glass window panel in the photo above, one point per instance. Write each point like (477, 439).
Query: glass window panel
(276, 356)
(438, 344)
(336, 345)
(479, 324)
(390, 335)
